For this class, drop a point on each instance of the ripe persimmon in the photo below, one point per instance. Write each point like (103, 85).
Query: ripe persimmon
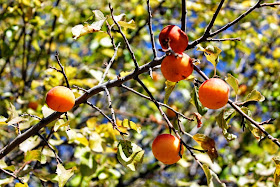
(60, 99)
(172, 36)
(177, 68)
(166, 148)
(214, 93)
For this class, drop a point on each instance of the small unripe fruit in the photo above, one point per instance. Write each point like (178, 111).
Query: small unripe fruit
(172, 36)
(170, 114)
(60, 99)
(214, 93)
(33, 105)
(177, 68)
(166, 148)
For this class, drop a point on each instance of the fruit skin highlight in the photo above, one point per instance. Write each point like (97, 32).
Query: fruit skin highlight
(214, 93)
(177, 68)
(60, 99)
(172, 36)
(166, 148)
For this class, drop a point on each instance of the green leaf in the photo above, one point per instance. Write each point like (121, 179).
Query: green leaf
(276, 160)
(211, 53)
(168, 89)
(212, 179)
(233, 82)
(88, 164)
(255, 96)
(129, 154)
(195, 101)
(131, 125)
(63, 174)
(222, 122)
(33, 155)
(208, 144)
(254, 130)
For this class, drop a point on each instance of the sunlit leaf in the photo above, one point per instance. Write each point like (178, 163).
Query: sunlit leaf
(276, 160)
(129, 154)
(86, 28)
(33, 155)
(130, 25)
(5, 181)
(29, 144)
(233, 82)
(47, 111)
(212, 179)
(195, 101)
(63, 174)
(3, 120)
(95, 142)
(208, 144)
(21, 185)
(168, 89)
(131, 125)
(60, 123)
(211, 53)
(255, 96)
(125, 73)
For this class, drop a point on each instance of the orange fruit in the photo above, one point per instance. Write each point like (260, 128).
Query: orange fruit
(166, 148)
(173, 37)
(214, 93)
(177, 68)
(60, 99)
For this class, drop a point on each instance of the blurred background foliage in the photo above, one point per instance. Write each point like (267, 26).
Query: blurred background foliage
(32, 31)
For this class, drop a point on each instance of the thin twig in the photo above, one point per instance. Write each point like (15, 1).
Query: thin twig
(125, 39)
(270, 4)
(62, 69)
(204, 37)
(151, 30)
(58, 160)
(110, 63)
(113, 121)
(211, 23)
(162, 104)
(30, 115)
(107, 117)
(12, 175)
(171, 127)
(222, 39)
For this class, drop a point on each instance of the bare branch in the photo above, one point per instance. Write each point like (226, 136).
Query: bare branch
(150, 28)
(12, 175)
(125, 39)
(162, 104)
(58, 160)
(62, 70)
(110, 63)
(222, 39)
(183, 17)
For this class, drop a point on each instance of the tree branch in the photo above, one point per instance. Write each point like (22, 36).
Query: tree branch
(82, 99)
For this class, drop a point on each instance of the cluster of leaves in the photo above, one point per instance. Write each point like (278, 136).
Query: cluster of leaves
(92, 152)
